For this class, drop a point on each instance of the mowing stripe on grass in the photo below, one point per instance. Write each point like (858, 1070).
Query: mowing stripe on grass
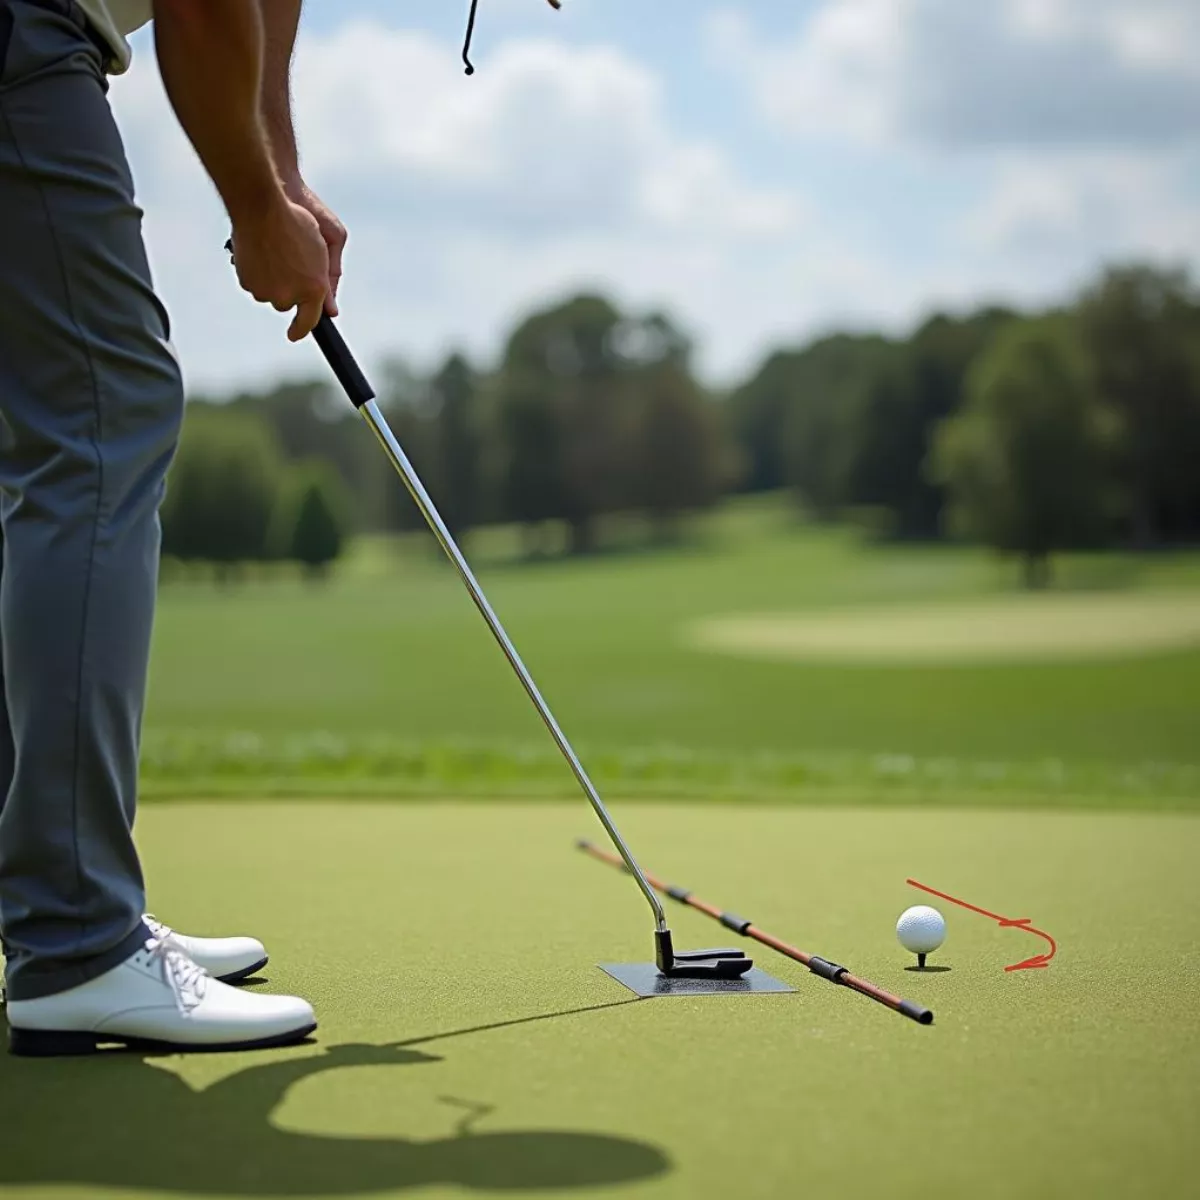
(177, 765)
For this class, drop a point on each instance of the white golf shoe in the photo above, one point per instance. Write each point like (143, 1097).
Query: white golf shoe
(227, 959)
(156, 999)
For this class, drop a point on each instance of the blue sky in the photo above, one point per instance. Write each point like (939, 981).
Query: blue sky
(765, 169)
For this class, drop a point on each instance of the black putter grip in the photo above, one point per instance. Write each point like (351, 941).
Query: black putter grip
(337, 355)
(342, 362)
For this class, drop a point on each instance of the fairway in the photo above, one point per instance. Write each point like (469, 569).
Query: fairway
(384, 681)
(1031, 628)
(468, 1044)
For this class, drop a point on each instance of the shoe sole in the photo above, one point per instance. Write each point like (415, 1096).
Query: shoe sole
(244, 973)
(48, 1043)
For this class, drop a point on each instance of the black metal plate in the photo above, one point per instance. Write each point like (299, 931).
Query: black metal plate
(645, 980)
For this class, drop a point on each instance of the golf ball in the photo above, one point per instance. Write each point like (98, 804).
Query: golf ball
(921, 929)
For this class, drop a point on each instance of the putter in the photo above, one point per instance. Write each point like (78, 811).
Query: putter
(821, 967)
(689, 964)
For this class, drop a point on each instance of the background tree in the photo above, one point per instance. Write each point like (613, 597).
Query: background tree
(1025, 462)
(680, 463)
(907, 394)
(530, 467)
(458, 448)
(1141, 330)
(563, 418)
(223, 488)
(312, 419)
(756, 413)
(593, 412)
(825, 388)
(409, 403)
(310, 523)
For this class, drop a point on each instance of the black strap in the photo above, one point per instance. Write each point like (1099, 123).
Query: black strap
(466, 53)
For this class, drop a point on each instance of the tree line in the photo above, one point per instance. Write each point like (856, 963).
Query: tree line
(1072, 428)
(1030, 432)
(591, 413)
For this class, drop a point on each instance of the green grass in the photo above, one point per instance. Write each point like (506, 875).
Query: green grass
(468, 1044)
(385, 682)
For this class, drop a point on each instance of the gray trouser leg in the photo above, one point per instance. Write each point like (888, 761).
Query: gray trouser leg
(91, 401)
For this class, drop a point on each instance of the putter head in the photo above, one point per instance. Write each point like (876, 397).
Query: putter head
(698, 964)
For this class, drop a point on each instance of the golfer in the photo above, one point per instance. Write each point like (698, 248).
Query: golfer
(91, 402)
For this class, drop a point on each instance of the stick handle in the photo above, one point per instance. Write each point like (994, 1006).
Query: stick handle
(341, 362)
(337, 354)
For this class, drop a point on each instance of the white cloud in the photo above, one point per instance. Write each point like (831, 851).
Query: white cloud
(548, 139)
(562, 167)
(1073, 124)
(957, 74)
(1144, 34)
(466, 199)
(1060, 211)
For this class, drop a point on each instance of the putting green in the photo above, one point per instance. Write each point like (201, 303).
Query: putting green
(1039, 627)
(469, 1045)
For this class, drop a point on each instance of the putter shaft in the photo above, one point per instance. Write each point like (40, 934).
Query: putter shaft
(818, 966)
(362, 396)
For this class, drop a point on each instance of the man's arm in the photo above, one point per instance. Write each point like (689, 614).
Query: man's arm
(281, 21)
(211, 60)
(210, 56)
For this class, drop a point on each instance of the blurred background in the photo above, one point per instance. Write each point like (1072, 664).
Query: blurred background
(816, 384)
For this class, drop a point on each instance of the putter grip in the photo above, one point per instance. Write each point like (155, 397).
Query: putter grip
(342, 362)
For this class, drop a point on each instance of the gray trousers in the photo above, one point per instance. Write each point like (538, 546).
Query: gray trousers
(91, 403)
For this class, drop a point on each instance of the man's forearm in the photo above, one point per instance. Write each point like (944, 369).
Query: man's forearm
(281, 20)
(211, 59)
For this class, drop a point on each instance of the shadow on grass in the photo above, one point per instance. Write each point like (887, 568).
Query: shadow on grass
(114, 1120)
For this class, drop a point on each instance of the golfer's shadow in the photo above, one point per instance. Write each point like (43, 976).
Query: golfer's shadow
(114, 1120)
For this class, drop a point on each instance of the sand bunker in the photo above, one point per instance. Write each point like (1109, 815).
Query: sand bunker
(1033, 627)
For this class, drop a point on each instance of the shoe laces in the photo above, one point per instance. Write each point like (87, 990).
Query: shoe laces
(187, 980)
(157, 929)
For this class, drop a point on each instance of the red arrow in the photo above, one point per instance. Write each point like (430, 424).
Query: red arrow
(1025, 923)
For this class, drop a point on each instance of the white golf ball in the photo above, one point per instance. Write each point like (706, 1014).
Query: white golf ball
(921, 929)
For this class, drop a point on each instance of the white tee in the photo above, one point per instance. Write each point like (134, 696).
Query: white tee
(114, 19)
